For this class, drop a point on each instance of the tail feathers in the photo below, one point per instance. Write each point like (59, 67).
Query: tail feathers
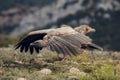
(92, 45)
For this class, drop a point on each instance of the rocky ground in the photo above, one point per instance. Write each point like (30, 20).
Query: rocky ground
(91, 65)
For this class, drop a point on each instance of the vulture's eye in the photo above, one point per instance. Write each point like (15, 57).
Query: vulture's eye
(87, 29)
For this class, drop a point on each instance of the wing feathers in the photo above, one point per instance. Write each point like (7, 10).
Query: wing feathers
(92, 45)
(72, 40)
(70, 47)
(27, 47)
(82, 38)
(64, 46)
(37, 49)
(31, 50)
(77, 39)
(22, 48)
(54, 46)
(24, 44)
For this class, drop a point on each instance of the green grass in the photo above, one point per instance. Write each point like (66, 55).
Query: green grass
(6, 40)
(93, 65)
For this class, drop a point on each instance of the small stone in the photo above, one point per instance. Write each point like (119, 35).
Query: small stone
(45, 71)
(72, 78)
(39, 55)
(21, 78)
(1, 72)
(85, 63)
(76, 71)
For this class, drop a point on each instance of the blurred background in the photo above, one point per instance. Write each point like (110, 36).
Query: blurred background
(18, 17)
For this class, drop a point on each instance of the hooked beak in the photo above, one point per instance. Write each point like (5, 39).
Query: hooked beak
(33, 44)
(92, 30)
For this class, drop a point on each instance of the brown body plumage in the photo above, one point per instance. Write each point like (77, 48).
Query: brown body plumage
(65, 40)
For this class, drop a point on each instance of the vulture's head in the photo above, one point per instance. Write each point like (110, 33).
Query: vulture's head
(84, 29)
(38, 43)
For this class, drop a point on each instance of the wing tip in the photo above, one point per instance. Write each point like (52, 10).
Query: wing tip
(96, 46)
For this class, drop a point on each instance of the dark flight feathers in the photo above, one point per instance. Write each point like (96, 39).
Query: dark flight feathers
(24, 44)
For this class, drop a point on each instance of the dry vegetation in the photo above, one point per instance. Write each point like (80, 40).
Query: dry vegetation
(92, 65)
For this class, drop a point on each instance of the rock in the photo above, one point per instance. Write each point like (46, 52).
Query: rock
(21, 78)
(45, 71)
(39, 55)
(1, 72)
(76, 71)
(72, 78)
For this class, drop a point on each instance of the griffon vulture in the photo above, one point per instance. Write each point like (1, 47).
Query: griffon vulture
(65, 40)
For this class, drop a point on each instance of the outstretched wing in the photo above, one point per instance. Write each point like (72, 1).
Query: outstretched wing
(60, 45)
(81, 41)
(78, 39)
(24, 44)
